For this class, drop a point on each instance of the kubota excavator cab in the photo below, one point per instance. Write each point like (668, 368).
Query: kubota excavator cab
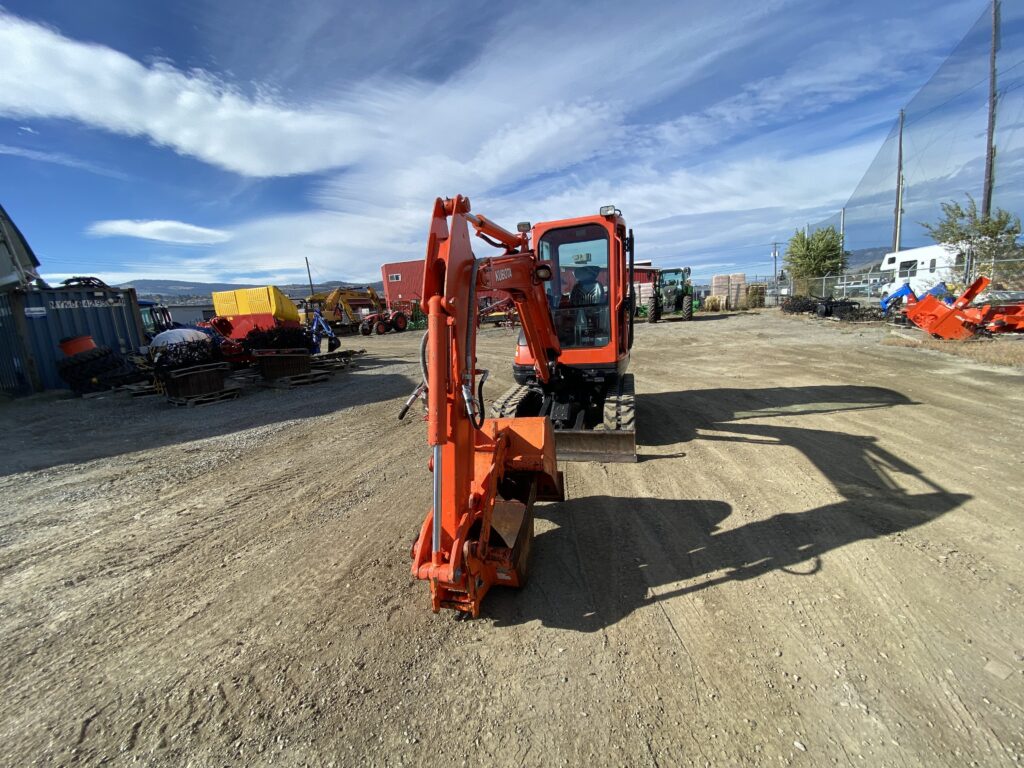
(590, 400)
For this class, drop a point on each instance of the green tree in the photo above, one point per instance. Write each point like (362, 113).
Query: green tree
(815, 256)
(991, 241)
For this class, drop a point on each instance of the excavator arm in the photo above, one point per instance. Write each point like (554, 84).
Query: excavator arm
(487, 473)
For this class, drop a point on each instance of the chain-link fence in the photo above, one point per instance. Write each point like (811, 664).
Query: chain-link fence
(1007, 276)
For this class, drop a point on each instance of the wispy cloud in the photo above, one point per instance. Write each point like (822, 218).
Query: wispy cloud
(162, 231)
(58, 158)
(28, 129)
(48, 75)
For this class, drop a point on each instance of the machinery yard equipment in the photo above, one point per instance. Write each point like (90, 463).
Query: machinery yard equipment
(348, 310)
(589, 398)
(838, 308)
(959, 320)
(673, 294)
(241, 311)
(499, 313)
(384, 321)
(574, 300)
(320, 329)
(156, 318)
(488, 473)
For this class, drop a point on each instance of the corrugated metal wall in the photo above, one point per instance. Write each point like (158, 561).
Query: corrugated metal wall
(42, 318)
(15, 378)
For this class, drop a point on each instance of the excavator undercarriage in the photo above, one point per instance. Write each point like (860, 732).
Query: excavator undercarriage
(592, 423)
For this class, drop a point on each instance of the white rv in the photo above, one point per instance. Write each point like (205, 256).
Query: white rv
(923, 268)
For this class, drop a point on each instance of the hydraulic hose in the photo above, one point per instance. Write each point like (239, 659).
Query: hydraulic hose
(421, 389)
(423, 357)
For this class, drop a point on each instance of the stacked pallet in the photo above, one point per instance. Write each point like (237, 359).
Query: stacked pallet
(720, 285)
(644, 294)
(755, 295)
(720, 291)
(737, 291)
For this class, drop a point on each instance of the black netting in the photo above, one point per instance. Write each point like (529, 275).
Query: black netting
(944, 139)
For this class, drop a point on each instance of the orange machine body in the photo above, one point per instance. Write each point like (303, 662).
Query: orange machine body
(607, 348)
(487, 473)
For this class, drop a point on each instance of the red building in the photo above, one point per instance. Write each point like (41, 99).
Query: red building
(403, 285)
(403, 282)
(643, 272)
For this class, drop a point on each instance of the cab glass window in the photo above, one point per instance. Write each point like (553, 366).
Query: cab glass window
(578, 291)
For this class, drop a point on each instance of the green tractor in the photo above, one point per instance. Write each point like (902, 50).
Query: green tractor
(673, 294)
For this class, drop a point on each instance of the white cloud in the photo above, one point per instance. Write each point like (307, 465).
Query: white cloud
(58, 158)
(48, 75)
(676, 117)
(28, 129)
(162, 231)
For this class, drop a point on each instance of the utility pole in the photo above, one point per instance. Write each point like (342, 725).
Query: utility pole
(990, 149)
(898, 213)
(310, 276)
(775, 266)
(842, 228)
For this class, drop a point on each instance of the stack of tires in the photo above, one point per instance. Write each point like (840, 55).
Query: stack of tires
(95, 370)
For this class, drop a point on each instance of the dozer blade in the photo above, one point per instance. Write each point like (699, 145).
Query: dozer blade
(612, 440)
(596, 445)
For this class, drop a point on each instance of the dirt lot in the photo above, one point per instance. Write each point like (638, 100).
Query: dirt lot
(817, 561)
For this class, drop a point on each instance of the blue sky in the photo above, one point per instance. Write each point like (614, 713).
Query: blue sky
(227, 140)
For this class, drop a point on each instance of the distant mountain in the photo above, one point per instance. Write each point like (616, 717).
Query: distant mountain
(169, 289)
(866, 259)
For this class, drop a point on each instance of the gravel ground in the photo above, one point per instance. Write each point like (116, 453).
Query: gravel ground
(817, 561)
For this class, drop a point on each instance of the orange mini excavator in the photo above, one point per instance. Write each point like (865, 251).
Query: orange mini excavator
(489, 472)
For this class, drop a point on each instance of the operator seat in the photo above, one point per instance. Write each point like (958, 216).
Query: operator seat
(587, 290)
(587, 295)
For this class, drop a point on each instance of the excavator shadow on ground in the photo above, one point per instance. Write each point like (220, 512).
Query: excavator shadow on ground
(606, 557)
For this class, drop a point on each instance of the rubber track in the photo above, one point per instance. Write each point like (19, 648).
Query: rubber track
(507, 405)
(620, 406)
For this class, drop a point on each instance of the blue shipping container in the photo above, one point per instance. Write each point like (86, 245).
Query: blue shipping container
(40, 319)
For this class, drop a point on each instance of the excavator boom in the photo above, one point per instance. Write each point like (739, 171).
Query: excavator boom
(487, 473)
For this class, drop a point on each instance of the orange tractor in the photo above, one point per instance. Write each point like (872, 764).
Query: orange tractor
(573, 299)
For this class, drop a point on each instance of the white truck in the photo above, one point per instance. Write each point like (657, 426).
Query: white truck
(923, 268)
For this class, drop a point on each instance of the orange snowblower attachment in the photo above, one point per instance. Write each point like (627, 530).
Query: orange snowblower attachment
(945, 321)
(487, 473)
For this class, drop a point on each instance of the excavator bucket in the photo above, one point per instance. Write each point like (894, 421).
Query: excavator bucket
(496, 542)
(530, 450)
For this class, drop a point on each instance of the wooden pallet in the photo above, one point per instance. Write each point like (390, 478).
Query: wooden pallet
(245, 377)
(345, 355)
(141, 389)
(330, 366)
(299, 380)
(214, 397)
